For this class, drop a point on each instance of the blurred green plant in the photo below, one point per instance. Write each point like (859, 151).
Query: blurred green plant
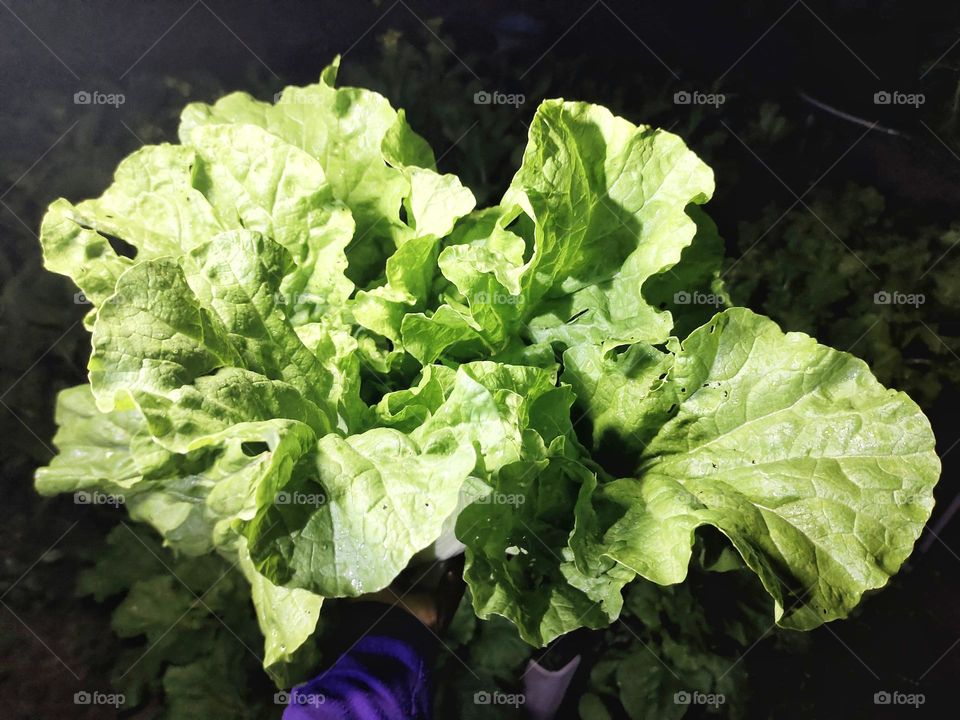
(188, 626)
(861, 279)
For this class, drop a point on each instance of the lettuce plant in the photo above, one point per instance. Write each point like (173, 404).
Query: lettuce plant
(313, 355)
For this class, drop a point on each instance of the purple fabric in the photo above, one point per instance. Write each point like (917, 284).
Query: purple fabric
(383, 676)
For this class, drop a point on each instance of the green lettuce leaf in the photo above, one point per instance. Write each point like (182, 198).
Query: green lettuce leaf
(517, 563)
(692, 290)
(196, 367)
(287, 617)
(602, 204)
(343, 516)
(93, 448)
(819, 476)
(167, 200)
(372, 158)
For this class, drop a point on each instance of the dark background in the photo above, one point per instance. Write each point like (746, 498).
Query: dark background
(777, 63)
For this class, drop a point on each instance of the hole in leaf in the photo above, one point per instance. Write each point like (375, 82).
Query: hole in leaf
(120, 246)
(523, 227)
(577, 315)
(252, 449)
